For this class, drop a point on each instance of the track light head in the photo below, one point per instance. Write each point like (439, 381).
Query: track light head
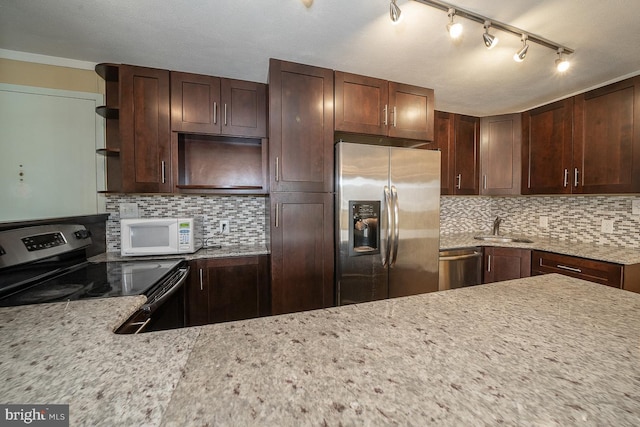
(394, 12)
(522, 53)
(562, 64)
(454, 28)
(489, 40)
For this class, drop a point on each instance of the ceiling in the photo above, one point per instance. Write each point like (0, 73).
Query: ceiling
(236, 38)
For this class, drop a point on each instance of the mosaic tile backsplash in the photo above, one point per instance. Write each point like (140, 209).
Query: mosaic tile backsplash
(246, 215)
(571, 218)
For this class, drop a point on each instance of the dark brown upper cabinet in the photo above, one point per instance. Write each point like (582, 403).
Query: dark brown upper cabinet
(300, 127)
(213, 105)
(500, 154)
(547, 149)
(606, 143)
(379, 107)
(458, 139)
(138, 147)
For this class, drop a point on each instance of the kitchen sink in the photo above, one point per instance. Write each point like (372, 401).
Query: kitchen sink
(503, 239)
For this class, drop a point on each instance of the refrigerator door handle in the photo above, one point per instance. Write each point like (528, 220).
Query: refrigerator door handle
(396, 224)
(387, 251)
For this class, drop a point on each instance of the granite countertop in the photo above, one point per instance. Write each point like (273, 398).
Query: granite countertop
(624, 256)
(546, 350)
(212, 252)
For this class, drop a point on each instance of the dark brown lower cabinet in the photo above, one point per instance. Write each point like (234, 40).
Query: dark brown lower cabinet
(301, 251)
(225, 289)
(606, 273)
(505, 264)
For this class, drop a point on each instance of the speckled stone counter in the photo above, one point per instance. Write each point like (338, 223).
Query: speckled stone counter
(616, 255)
(214, 252)
(546, 350)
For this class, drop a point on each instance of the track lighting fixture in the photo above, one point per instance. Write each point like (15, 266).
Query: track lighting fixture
(522, 53)
(394, 12)
(489, 40)
(562, 64)
(454, 28)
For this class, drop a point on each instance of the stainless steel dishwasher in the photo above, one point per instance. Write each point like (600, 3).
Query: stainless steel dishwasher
(460, 268)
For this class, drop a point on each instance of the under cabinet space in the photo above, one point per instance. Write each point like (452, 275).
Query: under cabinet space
(218, 164)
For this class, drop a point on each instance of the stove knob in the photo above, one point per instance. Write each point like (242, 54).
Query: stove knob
(82, 234)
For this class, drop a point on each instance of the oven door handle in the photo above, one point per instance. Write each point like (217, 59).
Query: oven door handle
(182, 275)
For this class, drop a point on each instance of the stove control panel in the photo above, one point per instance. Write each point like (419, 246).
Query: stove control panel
(43, 241)
(28, 244)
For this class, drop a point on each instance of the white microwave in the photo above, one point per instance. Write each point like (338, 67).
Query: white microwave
(160, 236)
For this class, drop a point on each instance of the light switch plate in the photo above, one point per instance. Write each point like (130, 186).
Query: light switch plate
(635, 207)
(607, 226)
(128, 210)
(544, 222)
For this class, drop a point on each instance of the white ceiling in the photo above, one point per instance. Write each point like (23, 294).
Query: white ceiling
(236, 38)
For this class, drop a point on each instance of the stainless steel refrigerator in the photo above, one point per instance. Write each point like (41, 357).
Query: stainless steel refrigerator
(387, 221)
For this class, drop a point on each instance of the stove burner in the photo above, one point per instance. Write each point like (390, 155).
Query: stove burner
(47, 294)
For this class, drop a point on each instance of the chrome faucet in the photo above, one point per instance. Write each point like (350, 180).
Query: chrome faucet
(496, 226)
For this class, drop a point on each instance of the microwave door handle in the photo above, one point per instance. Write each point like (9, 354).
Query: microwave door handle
(151, 307)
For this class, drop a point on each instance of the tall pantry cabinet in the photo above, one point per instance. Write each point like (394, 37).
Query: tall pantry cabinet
(301, 185)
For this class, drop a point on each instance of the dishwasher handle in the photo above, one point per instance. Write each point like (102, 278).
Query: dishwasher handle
(461, 257)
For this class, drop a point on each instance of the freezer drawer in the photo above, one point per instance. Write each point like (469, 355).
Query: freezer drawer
(460, 268)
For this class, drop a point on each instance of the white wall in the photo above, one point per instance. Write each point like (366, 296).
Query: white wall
(48, 162)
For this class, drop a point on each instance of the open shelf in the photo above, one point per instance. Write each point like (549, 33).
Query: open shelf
(109, 152)
(217, 164)
(109, 72)
(108, 112)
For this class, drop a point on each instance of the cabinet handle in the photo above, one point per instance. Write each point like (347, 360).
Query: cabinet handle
(277, 215)
(564, 267)
(164, 175)
(484, 181)
(394, 116)
(489, 264)
(459, 178)
(575, 177)
(386, 121)
(201, 281)
(566, 177)
(277, 168)
(225, 113)
(215, 113)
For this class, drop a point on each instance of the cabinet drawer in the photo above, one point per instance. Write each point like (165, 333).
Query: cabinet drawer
(602, 272)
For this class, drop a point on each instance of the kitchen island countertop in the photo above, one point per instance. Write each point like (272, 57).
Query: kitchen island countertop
(546, 350)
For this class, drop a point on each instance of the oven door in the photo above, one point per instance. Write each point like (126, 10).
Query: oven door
(165, 308)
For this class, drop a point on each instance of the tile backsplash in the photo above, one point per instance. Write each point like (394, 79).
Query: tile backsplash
(246, 215)
(571, 218)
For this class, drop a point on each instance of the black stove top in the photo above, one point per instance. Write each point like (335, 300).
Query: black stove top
(65, 281)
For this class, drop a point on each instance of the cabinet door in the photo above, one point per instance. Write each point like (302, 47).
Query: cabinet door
(226, 289)
(361, 104)
(411, 112)
(195, 103)
(244, 108)
(197, 295)
(445, 140)
(145, 130)
(302, 261)
(300, 127)
(506, 264)
(500, 154)
(606, 145)
(546, 148)
(466, 154)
